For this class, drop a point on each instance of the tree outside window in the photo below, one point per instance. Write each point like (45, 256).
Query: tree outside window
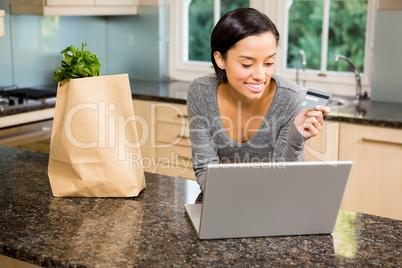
(348, 30)
(201, 23)
(346, 33)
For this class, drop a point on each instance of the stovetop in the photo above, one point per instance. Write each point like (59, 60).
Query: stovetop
(14, 97)
(29, 93)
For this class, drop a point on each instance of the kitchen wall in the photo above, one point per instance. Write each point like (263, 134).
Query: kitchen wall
(387, 59)
(30, 50)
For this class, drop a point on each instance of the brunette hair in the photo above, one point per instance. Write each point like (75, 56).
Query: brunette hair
(235, 26)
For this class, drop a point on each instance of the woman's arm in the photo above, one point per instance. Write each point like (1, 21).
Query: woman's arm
(203, 147)
(306, 124)
(289, 146)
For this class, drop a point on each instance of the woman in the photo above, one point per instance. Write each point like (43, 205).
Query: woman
(243, 112)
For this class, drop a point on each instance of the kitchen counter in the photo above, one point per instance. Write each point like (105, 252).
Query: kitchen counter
(166, 91)
(374, 113)
(153, 230)
(368, 113)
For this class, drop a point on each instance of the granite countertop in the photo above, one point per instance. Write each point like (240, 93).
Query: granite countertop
(369, 112)
(153, 230)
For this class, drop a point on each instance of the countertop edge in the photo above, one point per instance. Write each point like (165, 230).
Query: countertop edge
(157, 98)
(366, 122)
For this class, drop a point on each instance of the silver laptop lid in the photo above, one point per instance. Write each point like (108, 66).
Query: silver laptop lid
(270, 199)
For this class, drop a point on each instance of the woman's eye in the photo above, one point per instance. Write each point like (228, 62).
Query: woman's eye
(246, 65)
(269, 63)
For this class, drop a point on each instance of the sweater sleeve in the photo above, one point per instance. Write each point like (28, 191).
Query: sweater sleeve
(289, 146)
(203, 147)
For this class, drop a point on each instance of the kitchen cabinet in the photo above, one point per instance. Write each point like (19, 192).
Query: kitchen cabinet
(389, 5)
(74, 7)
(30, 130)
(34, 136)
(324, 147)
(375, 182)
(172, 140)
(2, 14)
(164, 136)
(142, 110)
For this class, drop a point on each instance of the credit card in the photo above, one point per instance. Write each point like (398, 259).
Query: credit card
(314, 97)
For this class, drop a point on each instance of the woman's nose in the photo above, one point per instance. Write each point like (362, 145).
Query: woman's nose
(258, 73)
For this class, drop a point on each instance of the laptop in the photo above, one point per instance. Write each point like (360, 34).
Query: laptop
(269, 199)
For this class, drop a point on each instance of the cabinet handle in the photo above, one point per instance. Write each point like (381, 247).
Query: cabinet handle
(183, 137)
(184, 157)
(182, 116)
(381, 141)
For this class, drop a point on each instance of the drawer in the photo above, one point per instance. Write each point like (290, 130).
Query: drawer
(26, 134)
(115, 2)
(175, 171)
(171, 113)
(176, 155)
(168, 135)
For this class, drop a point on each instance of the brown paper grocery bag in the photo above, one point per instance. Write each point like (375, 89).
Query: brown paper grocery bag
(94, 149)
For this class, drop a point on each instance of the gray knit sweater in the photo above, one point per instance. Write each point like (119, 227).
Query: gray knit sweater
(276, 140)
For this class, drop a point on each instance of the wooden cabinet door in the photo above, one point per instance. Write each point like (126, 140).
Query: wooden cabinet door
(172, 113)
(74, 7)
(70, 2)
(172, 140)
(375, 182)
(324, 147)
(142, 110)
(163, 134)
(169, 135)
(91, 2)
(116, 2)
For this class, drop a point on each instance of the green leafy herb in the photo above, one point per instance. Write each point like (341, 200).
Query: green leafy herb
(77, 64)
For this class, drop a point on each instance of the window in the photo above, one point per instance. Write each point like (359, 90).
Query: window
(203, 15)
(191, 24)
(324, 29)
(345, 34)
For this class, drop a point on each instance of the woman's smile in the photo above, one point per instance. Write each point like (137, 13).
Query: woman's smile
(255, 87)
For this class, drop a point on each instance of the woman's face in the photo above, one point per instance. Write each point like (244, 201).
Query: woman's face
(249, 65)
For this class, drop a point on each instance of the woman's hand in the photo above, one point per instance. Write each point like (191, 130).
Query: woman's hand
(309, 122)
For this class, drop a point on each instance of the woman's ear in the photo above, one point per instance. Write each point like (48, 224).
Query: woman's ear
(219, 60)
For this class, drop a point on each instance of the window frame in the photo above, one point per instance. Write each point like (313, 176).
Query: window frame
(179, 68)
(340, 83)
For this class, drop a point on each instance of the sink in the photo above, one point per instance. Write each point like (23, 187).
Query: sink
(335, 102)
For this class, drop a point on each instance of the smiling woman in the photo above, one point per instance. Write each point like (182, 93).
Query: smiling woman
(243, 112)
(249, 66)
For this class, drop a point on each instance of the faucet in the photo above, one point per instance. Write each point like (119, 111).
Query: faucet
(359, 94)
(303, 55)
